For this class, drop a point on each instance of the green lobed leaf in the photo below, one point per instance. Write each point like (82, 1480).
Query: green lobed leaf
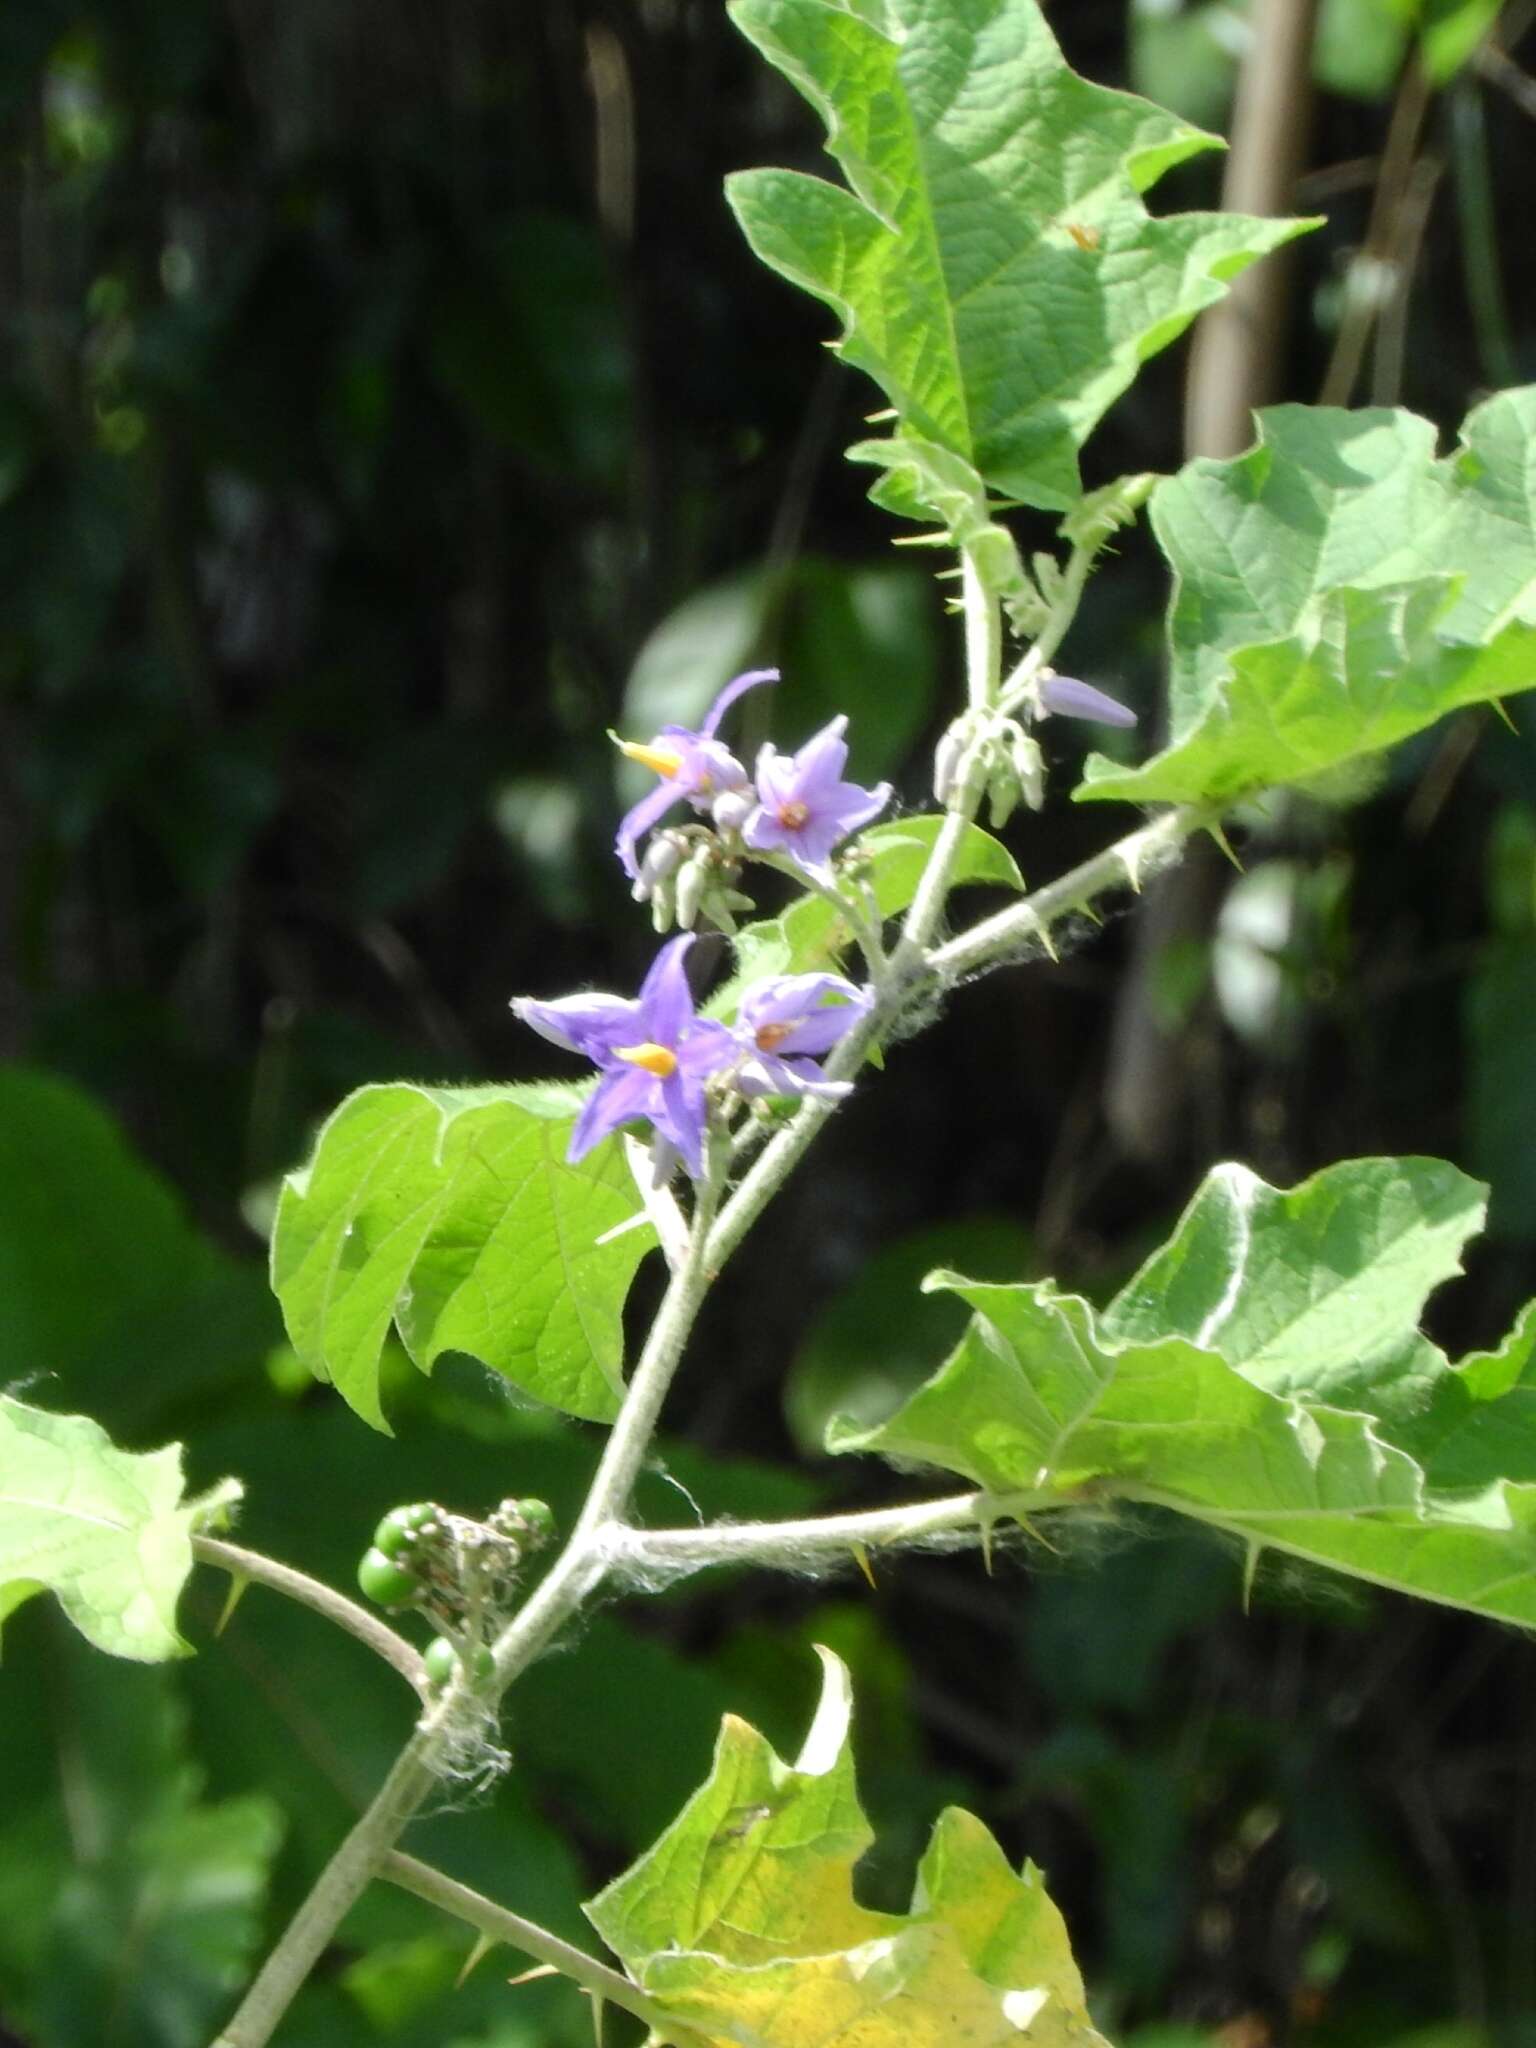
(742, 1923)
(810, 936)
(453, 1214)
(1338, 588)
(106, 1530)
(974, 153)
(1313, 1290)
(1264, 1373)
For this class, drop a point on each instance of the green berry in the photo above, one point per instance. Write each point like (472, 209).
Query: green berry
(386, 1583)
(401, 1528)
(538, 1519)
(442, 1661)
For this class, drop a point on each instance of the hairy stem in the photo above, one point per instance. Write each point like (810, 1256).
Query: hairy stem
(598, 1542)
(958, 1521)
(983, 661)
(241, 1563)
(1023, 676)
(1119, 866)
(498, 1924)
(463, 1706)
(343, 1881)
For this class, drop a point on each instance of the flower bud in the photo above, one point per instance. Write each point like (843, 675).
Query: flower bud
(947, 757)
(663, 904)
(661, 860)
(1028, 766)
(692, 884)
(733, 807)
(1004, 788)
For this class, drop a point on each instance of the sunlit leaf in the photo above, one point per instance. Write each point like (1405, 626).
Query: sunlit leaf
(1338, 588)
(1167, 1397)
(993, 266)
(452, 1213)
(742, 1923)
(108, 1531)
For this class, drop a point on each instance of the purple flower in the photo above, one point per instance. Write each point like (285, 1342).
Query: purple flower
(1068, 698)
(693, 766)
(789, 1021)
(804, 807)
(655, 1054)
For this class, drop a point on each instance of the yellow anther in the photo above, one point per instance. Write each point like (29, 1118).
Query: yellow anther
(659, 1060)
(664, 761)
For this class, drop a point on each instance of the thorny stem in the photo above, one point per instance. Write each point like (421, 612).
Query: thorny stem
(241, 1563)
(464, 1705)
(1119, 866)
(344, 1878)
(983, 665)
(500, 1925)
(1022, 678)
(958, 1521)
(600, 1542)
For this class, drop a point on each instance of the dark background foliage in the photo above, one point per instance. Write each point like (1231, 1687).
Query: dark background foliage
(389, 407)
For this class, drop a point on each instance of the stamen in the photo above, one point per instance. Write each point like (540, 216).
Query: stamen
(793, 815)
(663, 761)
(769, 1037)
(659, 1060)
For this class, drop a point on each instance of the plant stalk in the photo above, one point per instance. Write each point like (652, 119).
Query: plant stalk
(1121, 865)
(324, 1600)
(958, 1521)
(501, 1925)
(343, 1881)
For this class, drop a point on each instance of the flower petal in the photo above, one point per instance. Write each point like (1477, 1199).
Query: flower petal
(680, 1116)
(665, 1008)
(590, 1025)
(1066, 697)
(639, 819)
(854, 806)
(799, 1001)
(622, 1094)
(737, 687)
(821, 761)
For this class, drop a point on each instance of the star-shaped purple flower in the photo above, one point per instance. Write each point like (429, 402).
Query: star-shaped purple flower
(656, 1055)
(694, 767)
(803, 805)
(787, 1023)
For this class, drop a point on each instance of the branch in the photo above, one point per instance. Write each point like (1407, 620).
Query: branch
(321, 1599)
(500, 1925)
(956, 1522)
(1120, 866)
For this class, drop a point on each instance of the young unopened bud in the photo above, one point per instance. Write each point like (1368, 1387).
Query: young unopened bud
(661, 860)
(1028, 766)
(947, 758)
(733, 807)
(1004, 788)
(692, 885)
(663, 905)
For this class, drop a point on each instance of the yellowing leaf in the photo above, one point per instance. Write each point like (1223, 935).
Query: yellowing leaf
(742, 1924)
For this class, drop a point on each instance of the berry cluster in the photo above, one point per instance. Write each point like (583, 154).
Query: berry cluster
(463, 1575)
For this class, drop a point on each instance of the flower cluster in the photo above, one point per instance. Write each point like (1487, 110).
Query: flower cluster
(659, 1061)
(794, 804)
